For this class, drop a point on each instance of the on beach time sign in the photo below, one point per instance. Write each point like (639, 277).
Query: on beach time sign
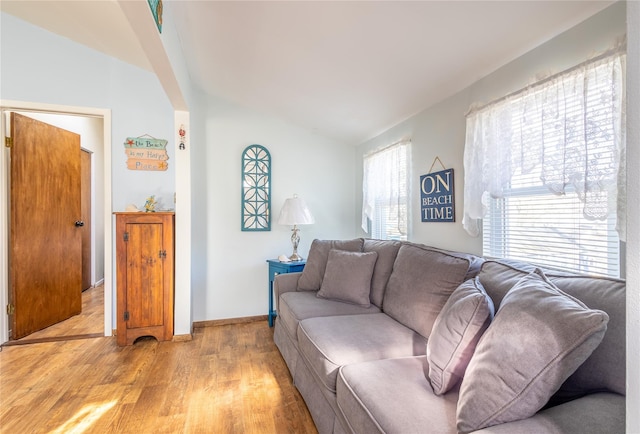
(145, 153)
(437, 201)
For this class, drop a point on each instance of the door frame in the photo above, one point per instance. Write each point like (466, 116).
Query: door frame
(105, 114)
(92, 233)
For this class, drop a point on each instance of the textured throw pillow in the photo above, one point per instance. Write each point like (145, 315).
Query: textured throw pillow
(456, 332)
(348, 277)
(311, 278)
(538, 338)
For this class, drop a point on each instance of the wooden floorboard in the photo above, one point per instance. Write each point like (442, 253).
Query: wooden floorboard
(28, 341)
(228, 379)
(89, 322)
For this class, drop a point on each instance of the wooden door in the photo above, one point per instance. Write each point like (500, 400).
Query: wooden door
(45, 244)
(85, 193)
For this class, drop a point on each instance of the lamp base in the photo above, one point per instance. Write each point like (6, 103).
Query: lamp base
(295, 257)
(295, 240)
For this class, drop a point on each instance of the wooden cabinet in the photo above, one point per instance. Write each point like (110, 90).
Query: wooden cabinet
(144, 268)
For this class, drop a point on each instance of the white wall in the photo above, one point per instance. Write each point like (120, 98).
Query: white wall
(633, 223)
(199, 205)
(140, 108)
(41, 67)
(184, 200)
(91, 139)
(235, 279)
(439, 131)
(164, 53)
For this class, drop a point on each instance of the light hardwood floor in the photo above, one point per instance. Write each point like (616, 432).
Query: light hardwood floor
(228, 379)
(89, 322)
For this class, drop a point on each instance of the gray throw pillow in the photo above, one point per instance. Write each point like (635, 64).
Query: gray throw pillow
(538, 338)
(456, 332)
(348, 277)
(311, 278)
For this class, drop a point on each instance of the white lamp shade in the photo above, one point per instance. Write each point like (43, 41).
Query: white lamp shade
(295, 212)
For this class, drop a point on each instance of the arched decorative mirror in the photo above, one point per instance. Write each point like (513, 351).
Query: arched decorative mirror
(256, 189)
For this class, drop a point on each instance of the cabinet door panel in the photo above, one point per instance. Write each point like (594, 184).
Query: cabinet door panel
(145, 274)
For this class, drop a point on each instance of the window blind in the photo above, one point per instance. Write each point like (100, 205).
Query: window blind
(541, 216)
(537, 226)
(563, 147)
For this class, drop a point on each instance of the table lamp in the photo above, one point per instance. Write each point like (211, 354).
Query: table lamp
(295, 212)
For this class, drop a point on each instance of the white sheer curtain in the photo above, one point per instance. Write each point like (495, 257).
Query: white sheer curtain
(384, 190)
(568, 130)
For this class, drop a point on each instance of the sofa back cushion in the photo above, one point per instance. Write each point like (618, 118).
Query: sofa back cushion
(475, 262)
(311, 278)
(420, 284)
(539, 337)
(604, 369)
(387, 251)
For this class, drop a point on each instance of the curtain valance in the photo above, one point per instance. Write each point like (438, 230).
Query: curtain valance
(384, 185)
(567, 132)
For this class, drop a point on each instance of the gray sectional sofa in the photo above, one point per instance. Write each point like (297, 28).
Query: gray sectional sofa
(397, 337)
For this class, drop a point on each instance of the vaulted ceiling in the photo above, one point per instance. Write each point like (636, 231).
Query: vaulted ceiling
(347, 70)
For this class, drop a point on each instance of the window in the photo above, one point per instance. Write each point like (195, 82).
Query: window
(542, 171)
(385, 192)
(532, 224)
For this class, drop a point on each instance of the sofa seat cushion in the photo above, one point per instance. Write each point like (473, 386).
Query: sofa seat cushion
(596, 413)
(296, 306)
(394, 396)
(328, 343)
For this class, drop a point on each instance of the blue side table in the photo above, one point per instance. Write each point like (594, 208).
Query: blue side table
(276, 267)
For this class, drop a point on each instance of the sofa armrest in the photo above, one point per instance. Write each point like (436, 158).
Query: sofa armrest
(282, 283)
(596, 413)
